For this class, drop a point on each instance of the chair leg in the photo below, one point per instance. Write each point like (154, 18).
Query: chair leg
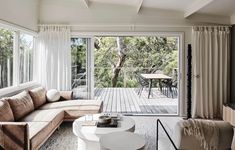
(138, 91)
(172, 94)
(141, 90)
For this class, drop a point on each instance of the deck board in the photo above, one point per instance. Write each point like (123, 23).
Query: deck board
(126, 100)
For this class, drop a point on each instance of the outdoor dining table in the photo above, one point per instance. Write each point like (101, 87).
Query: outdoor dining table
(155, 76)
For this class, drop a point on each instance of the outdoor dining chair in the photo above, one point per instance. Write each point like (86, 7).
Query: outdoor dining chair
(142, 83)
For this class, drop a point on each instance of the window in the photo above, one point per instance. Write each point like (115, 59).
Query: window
(6, 58)
(25, 58)
(16, 57)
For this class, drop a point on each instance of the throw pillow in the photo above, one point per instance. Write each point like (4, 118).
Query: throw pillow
(38, 96)
(21, 105)
(53, 95)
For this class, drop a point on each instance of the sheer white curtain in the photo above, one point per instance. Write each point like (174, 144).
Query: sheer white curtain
(53, 57)
(211, 47)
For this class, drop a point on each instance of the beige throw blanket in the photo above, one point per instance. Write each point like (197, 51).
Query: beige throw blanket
(203, 130)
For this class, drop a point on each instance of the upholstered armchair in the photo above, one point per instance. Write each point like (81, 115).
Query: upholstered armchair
(181, 140)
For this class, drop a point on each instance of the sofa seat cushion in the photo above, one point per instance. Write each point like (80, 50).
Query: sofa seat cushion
(6, 113)
(75, 108)
(21, 104)
(39, 132)
(36, 127)
(71, 115)
(55, 116)
(74, 105)
(38, 96)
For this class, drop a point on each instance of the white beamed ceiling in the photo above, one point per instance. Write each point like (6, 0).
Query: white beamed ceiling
(218, 11)
(179, 5)
(214, 7)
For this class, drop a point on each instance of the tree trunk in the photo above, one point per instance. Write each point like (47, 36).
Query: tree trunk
(121, 48)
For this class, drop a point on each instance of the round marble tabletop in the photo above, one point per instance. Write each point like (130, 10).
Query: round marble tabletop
(128, 140)
(93, 133)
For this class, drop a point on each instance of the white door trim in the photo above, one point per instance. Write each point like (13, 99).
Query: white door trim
(182, 58)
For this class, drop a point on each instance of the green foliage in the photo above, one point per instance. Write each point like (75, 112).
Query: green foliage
(78, 51)
(6, 45)
(6, 57)
(142, 53)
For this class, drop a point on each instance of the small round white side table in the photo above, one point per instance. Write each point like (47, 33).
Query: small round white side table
(89, 136)
(122, 141)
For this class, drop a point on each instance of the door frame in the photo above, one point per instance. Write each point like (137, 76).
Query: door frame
(89, 64)
(182, 103)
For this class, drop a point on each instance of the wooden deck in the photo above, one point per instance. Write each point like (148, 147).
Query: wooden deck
(126, 100)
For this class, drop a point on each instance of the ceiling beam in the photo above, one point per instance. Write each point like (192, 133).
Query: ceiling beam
(196, 6)
(86, 2)
(139, 6)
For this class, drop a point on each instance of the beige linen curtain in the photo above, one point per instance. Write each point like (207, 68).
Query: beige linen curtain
(210, 51)
(52, 57)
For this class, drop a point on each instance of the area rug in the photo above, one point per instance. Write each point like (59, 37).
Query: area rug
(64, 139)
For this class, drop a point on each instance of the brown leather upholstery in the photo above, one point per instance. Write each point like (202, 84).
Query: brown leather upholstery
(21, 104)
(66, 95)
(38, 96)
(36, 126)
(15, 135)
(6, 113)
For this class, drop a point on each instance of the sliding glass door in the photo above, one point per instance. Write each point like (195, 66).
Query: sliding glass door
(81, 67)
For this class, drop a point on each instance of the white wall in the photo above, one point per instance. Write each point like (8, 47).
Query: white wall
(20, 12)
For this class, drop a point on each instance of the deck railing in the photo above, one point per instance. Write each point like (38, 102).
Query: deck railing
(126, 77)
(103, 76)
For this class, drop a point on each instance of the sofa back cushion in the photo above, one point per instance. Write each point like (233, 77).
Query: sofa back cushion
(38, 96)
(6, 114)
(21, 104)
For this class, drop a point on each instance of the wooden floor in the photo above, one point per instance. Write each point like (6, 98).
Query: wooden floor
(126, 100)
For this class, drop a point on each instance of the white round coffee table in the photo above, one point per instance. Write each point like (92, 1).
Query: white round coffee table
(122, 141)
(89, 136)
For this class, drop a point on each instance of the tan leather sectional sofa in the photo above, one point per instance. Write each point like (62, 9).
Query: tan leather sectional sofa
(27, 120)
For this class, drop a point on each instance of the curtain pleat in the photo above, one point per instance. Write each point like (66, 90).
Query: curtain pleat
(53, 57)
(210, 70)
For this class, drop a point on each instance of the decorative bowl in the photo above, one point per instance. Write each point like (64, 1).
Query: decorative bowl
(105, 119)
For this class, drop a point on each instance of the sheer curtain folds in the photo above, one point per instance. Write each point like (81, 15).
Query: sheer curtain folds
(211, 46)
(53, 57)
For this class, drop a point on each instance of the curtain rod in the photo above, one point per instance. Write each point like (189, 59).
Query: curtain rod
(133, 26)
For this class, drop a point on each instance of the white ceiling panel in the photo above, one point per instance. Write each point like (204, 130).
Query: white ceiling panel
(220, 7)
(119, 2)
(180, 5)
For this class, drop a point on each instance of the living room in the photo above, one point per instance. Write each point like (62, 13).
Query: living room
(91, 74)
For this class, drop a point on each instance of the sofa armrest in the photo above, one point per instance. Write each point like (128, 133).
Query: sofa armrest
(66, 95)
(14, 135)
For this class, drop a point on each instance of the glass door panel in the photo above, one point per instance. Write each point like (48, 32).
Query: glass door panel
(79, 67)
